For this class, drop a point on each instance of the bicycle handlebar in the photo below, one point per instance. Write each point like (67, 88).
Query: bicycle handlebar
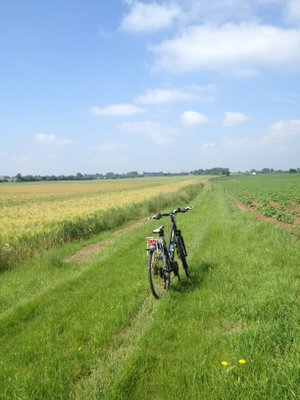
(175, 211)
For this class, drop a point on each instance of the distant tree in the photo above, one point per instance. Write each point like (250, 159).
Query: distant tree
(266, 171)
(19, 177)
(132, 174)
(211, 171)
(110, 175)
(292, 171)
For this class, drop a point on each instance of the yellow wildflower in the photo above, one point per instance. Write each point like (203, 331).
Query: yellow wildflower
(242, 361)
(224, 363)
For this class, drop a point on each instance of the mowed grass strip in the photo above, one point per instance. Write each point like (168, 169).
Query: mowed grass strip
(51, 342)
(101, 335)
(232, 331)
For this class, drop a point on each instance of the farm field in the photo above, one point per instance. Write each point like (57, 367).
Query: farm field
(276, 196)
(37, 216)
(90, 329)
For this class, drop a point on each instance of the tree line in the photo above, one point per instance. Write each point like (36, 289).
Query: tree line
(134, 174)
(111, 175)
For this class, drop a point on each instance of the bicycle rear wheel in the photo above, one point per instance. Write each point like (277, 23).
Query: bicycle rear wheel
(159, 278)
(182, 254)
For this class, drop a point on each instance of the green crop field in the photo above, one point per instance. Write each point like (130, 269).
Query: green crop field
(88, 327)
(276, 196)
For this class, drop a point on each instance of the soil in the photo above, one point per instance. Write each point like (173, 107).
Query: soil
(88, 251)
(260, 217)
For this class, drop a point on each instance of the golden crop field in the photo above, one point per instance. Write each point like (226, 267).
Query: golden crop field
(38, 209)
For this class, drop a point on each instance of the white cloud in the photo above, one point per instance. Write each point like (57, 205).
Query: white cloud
(241, 143)
(229, 47)
(277, 146)
(162, 96)
(292, 12)
(50, 138)
(284, 130)
(160, 134)
(269, 2)
(124, 109)
(150, 17)
(216, 11)
(234, 118)
(112, 150)
(193, 118)
(207, 147)
(221, 11)
(276, 135)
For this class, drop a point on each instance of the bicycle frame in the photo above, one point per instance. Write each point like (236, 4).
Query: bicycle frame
(169, 249)
(172, 239)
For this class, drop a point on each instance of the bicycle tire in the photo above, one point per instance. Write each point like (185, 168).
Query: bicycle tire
(182, 254)
(158, 277)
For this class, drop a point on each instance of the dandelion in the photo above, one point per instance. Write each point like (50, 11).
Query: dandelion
(242, 361)
(224, 363)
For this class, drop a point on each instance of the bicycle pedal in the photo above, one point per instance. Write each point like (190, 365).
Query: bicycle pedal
(175, 268)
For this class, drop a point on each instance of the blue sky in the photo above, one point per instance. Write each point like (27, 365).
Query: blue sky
(120, 85)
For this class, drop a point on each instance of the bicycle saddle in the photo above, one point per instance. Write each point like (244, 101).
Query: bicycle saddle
(159, 230)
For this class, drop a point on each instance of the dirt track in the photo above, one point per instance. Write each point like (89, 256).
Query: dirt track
(94, 248)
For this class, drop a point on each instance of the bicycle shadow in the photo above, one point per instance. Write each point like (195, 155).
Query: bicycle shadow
(195, 280)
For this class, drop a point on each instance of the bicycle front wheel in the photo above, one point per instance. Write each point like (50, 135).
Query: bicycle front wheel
(159, 278)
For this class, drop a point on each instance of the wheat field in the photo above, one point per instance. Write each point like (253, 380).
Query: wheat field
(35, 215)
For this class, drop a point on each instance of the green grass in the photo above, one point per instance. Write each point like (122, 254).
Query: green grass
(91, 330)
(241, 304)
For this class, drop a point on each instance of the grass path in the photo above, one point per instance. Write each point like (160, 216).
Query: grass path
(91, 329)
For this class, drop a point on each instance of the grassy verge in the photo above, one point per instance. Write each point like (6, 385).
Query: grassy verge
(241, 304)
(95, 332)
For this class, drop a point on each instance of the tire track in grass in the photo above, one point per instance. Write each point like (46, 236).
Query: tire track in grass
(102, 381)
(89, 251)
(124, 345)
(227, 312)
(76, 303)
(82, 255)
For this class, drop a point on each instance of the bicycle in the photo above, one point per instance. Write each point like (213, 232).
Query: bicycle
(161, 256)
